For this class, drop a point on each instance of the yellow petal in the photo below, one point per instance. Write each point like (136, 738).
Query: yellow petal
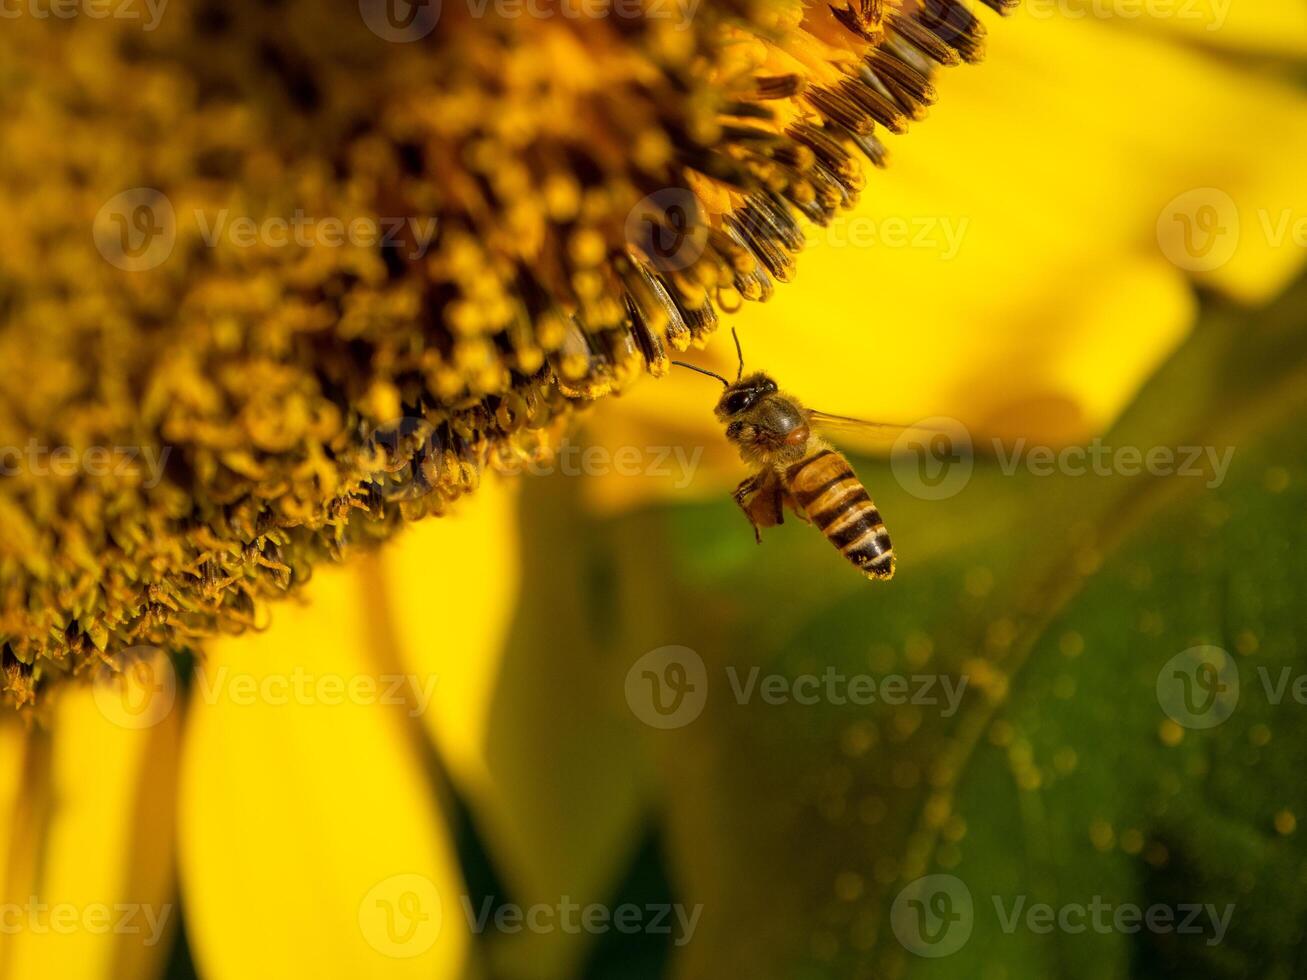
(311, 841)
(551, 773)
(1032, 198)
(95, 892)
(13, 877)
(11, 763)
(1267, 26)
(452, 585)
(1021, 266)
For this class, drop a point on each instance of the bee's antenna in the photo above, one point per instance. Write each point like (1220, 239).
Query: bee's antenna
(711, 374)
(740, 353)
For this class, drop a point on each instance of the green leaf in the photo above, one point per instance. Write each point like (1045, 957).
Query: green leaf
(1060, 779)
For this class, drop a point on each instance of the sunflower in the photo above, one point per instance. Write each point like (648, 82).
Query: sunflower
(344, 266)
(298, 800)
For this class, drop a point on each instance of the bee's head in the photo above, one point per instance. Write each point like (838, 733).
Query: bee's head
(764, 425)
(743, 395)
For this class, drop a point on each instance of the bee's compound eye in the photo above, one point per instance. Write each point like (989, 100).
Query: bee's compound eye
(738, 402)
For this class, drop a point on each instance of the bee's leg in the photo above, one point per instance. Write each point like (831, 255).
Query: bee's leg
(746, 488)
(792, 504)
(759, 498)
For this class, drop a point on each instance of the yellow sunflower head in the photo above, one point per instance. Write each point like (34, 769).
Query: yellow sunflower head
(523, 214)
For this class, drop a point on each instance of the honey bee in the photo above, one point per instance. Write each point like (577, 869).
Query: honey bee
(795, 468)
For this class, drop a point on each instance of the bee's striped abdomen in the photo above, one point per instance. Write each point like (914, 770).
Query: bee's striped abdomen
(833, 497)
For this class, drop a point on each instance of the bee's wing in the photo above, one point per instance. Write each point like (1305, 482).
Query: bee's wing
(827, 421)
(876, 430)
